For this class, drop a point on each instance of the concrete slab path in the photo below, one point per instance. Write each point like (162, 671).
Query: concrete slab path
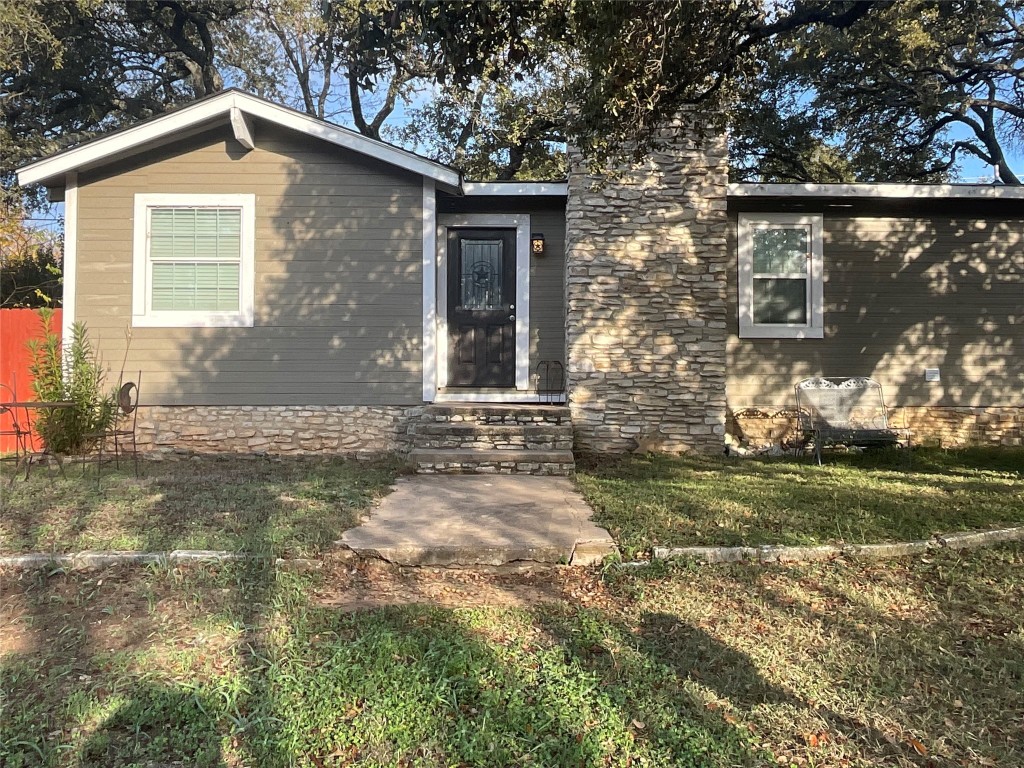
(481, 520)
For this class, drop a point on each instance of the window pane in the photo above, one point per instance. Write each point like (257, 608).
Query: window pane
(481, 274)
(196, 255)
(778, 302)
(179, 286)
(195, 233)
(781, 250)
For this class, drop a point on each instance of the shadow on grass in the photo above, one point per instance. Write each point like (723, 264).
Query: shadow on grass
(140, 667)
(903, 661)
(70, 698)
(137, 732)
(685, 668)
(854, 498)
(442, 687)
(282, 507)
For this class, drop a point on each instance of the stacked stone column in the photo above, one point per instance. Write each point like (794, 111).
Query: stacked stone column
(646, 297)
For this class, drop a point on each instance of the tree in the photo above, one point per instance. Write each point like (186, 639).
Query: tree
(888, 91)
(632, 65)
(30, 260)
(495, 129)
(78, 68)
(781, 131)
(303, 53)
(622, 70)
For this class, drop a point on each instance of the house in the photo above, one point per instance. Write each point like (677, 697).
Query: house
(284, 284)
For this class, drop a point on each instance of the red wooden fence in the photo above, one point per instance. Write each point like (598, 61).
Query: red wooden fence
(17, 326)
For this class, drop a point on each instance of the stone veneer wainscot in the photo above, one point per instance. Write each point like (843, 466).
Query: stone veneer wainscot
(313, 429)
(948, 427)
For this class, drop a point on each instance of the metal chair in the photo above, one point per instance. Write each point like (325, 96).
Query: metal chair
(18, 428)
(846, 411)
(125, 418)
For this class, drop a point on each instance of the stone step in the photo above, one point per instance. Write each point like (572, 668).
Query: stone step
(499, 436)
(497, 430)
(452, 442)
(491, 461)
(495, 413)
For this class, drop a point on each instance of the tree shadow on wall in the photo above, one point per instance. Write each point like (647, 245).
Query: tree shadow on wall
(338, 290)
(909, 287)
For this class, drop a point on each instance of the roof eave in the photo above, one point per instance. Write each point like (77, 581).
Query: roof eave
(105, 148)
(515, 188)
(877, 191)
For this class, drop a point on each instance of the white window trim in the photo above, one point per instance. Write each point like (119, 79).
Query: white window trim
(142, 315)
(815, 326)
(519, 222)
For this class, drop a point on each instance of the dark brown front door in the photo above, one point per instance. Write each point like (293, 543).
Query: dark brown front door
(481, 307)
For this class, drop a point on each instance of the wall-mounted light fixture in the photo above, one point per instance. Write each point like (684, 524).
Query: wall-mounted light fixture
(537, 244)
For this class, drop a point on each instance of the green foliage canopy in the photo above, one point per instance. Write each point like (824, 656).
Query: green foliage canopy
(901, 94)
(816, 90)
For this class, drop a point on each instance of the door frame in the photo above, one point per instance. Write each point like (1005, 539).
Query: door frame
(520, 222)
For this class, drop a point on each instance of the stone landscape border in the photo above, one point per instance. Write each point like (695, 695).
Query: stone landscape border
(797, 554)
(94, 559)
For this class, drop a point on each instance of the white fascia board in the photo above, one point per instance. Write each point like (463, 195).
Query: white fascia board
(222, 105)
(116, 144)
(516, 188)
(891, 191)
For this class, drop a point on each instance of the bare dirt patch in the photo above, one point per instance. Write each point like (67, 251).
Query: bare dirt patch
(368, 584)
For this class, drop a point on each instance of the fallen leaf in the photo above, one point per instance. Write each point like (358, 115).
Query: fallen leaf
(920, 748)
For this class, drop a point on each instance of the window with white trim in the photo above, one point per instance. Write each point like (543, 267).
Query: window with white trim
(780, 276)
(194, 260)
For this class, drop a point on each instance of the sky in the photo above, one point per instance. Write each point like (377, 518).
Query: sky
(972, 169)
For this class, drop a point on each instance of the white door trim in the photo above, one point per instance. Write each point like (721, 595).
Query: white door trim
(521, 223)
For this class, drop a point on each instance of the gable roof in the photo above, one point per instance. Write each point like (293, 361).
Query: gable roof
(235, 106)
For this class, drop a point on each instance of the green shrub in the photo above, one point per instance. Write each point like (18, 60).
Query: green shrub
(74, 373)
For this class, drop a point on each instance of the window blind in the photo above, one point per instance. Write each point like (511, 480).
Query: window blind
(195, 256)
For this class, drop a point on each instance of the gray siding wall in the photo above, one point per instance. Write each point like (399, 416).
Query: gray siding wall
(902, 294)
(547, 272)
(338, 285)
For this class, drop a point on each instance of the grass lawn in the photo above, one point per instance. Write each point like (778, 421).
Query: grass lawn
(915, 663)
(283, 507)
(854, 498)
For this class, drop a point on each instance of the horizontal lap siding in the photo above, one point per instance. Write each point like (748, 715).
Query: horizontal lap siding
(338, 284)
(902, 295)
(547, 290)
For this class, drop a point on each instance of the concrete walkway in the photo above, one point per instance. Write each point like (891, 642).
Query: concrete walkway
(481, 520)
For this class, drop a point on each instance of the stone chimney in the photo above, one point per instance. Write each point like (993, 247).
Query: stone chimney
(646, 297)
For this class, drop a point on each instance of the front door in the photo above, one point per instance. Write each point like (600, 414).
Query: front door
(481, 307)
